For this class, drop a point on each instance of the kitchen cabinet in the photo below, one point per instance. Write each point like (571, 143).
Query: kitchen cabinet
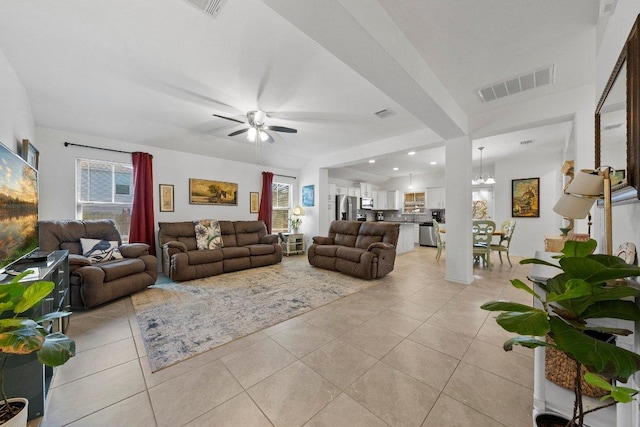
(405, 238)
(393, 200)
(435, 198)
(332, 191)
(341, 190)
(414, 203)
(379, 199)
(416, 234)
(365, 190)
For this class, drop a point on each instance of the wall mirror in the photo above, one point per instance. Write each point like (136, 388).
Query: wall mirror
(618, 125)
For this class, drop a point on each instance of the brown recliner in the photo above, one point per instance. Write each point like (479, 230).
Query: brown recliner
(246, 244)
(93, 284)
(361, 249)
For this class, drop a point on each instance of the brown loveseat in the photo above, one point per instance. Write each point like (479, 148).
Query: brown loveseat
(95, 283)
(362, 249)
(246, 244)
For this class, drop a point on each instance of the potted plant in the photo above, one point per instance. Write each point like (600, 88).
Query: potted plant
(588, 287)
(21, 335)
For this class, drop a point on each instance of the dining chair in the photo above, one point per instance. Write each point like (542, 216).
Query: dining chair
(439, 242)
(482, 235)
(505, 239)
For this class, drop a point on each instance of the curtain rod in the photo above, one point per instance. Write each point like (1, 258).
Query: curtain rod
(285, 176)
(66, 144)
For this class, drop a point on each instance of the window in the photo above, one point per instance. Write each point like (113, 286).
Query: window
(281, 207)
(105, 191)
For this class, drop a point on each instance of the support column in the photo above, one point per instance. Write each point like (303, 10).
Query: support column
(458, 251)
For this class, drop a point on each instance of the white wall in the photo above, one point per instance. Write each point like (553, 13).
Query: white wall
(16, 119)
(57, 171)
(529, 233)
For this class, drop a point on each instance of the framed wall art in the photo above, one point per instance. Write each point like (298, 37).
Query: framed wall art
(206, 192)
(525, 198)
(166, 198)
(308, 195)
(254, 202)
(30, 154)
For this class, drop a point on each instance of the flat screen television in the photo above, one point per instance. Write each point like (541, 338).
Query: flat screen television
(18, 208)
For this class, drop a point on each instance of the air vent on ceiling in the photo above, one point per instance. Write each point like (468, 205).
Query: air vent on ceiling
(210, 7)
(611, 127)
(383, 114)
(517, 84)
(527, 141)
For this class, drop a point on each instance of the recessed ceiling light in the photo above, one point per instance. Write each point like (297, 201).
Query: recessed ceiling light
(433, 163)
(395, 169)
(411, 153)
(372, 161)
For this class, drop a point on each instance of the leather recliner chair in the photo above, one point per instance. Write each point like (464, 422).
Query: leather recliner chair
(92, 284)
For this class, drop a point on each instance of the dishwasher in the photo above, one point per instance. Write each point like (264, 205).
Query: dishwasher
(427, 236)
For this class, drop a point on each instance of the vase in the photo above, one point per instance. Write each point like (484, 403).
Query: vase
(295, 231)
(20, 419)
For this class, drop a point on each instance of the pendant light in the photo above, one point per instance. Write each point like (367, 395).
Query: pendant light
(483, 178)
(410, 183)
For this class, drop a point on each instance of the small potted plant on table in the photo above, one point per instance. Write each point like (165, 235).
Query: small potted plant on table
(588, 287)
(22, 335)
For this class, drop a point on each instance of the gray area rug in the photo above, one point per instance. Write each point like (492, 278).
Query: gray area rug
(181, 320)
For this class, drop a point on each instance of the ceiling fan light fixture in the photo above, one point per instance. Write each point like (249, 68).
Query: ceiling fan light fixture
(251, 134)
(263, 136)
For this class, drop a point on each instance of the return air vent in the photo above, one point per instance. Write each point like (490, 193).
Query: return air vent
(210, 7)
(383, 114)
(527, 142)
(513, 85)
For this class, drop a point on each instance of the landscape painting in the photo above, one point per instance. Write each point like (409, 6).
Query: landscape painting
(206, 192)
(525, 198)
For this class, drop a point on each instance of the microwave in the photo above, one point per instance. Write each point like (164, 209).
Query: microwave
(366, 203)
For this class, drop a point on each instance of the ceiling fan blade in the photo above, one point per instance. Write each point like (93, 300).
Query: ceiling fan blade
(229, 118)
(238, 132)
(283, 129)
(269, 139)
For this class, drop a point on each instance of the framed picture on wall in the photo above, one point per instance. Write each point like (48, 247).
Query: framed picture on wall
(525, 198)
(206, 192)
(308, 195)
(166, 198)
(254, 202)
(30, 154)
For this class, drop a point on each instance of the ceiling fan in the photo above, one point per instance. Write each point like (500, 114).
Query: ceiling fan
(257, 127)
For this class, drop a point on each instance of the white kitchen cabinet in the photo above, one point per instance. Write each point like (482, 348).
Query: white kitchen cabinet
(393, 200)
(342, 190)
(374, 196)
(357, 192)
(365, 190)
(435, 198)
(416, 234)
(332, 191)
(381, 204)
(405, 238)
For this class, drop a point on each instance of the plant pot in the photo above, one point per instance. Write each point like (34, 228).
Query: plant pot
(19, 420)
(551, 420)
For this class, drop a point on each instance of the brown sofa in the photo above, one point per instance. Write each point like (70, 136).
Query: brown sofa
(246, 244)
(362, 249)
(93, 284)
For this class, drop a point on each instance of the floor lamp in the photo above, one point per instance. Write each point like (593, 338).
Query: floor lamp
(583, 190)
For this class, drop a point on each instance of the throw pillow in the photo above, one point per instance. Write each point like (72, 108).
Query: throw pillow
(97, 250)
(208, 234)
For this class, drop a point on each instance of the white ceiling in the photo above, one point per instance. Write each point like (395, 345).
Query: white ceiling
(154, 71)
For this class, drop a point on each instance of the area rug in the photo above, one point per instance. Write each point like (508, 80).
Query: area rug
(181, 320)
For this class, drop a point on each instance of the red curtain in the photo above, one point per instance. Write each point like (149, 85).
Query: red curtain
(266, 200)
(142, 221)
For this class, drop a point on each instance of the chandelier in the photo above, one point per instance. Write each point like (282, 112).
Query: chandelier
(483, 178)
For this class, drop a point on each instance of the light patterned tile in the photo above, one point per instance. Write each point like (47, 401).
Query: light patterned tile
(239, 411)
(256, 362)
(339, 362)
(344, 411)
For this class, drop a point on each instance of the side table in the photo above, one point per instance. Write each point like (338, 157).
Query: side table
(294, 245)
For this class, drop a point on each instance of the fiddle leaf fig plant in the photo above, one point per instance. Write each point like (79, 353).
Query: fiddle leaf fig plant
(588, 286)
(23, 335)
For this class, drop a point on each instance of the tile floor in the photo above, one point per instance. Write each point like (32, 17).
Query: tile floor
(415, 351)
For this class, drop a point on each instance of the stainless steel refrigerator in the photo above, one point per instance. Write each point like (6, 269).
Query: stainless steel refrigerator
(346, 207)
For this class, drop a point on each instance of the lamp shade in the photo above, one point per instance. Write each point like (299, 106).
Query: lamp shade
(570, 206)
(587, 183)
(298, 211)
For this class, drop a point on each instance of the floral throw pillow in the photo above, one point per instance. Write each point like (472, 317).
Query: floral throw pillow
(97, 250)
(208, 234)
